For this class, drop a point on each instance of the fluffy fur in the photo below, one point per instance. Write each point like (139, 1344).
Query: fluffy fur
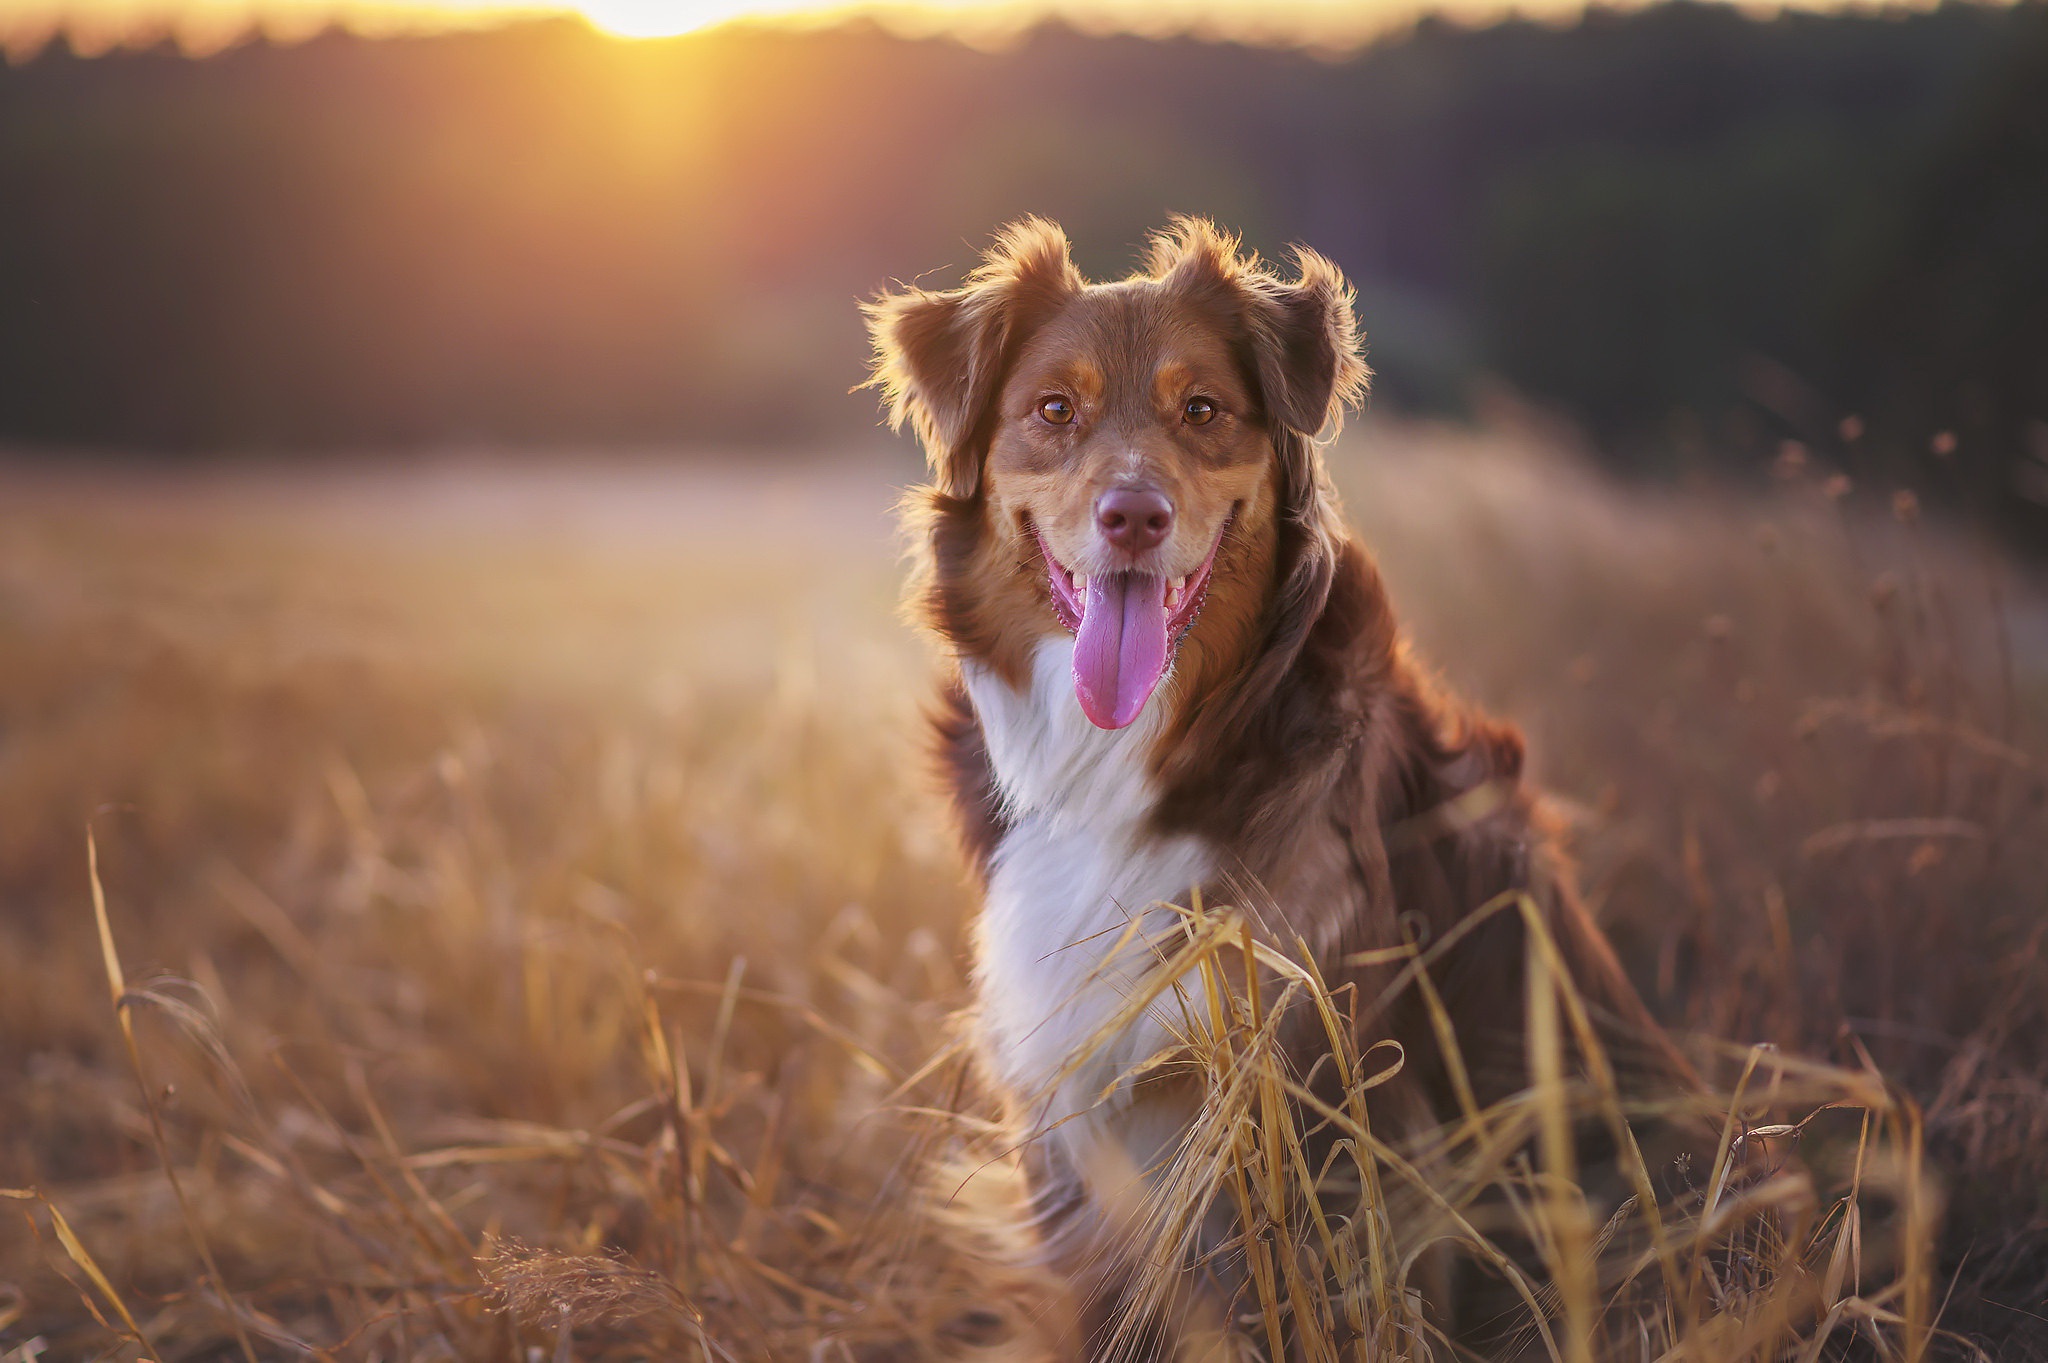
(1295, 761)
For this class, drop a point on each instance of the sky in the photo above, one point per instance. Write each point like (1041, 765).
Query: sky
(204, 25)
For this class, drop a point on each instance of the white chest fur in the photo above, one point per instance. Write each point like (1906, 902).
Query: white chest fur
(1075, 870)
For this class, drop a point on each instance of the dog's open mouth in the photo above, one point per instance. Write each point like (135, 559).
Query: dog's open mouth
(1126, 627)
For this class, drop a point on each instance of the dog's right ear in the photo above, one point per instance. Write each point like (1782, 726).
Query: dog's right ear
(940, 356)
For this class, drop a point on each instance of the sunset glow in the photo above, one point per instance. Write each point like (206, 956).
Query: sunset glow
(666, 18)
(200, 26)
(651, 18)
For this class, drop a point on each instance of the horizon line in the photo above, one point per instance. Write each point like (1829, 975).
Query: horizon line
(200, 28)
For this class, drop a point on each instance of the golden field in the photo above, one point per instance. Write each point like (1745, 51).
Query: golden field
(537, 937)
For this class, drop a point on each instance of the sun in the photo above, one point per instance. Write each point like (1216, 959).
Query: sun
(658, 18)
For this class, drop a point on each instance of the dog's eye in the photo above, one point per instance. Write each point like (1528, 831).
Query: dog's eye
(1199, 412)
(1057, 410)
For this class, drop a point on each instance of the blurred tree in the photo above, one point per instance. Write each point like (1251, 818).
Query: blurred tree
(1947, 335)
(1678, 219)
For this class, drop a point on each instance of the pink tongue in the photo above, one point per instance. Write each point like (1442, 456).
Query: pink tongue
(1121, 652)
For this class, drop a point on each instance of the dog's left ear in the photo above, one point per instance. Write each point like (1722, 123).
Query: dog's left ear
(1305, 340)
(940, 356)
(1298, 337)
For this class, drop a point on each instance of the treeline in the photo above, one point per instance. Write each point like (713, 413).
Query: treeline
(1698, 233)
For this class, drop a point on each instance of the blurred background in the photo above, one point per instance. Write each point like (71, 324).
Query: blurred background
(445, 566)
(1693, 230)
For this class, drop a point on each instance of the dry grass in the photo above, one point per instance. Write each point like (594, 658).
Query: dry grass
(529, 937)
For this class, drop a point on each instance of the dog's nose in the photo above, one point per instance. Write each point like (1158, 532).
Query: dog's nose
(1134, 518)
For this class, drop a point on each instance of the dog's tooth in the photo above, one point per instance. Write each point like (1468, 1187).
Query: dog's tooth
(1081, 582)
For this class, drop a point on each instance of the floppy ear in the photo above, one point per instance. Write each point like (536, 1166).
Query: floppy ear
(940, 356)
(1298, 337)
(1305, 339)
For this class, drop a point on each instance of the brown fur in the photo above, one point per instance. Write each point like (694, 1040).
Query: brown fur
(1352, 800)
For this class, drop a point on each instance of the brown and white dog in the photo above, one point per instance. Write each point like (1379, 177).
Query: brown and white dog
(1177, 671)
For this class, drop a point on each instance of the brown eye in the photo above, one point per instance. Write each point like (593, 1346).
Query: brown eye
(1199, 412)
(1056, 410)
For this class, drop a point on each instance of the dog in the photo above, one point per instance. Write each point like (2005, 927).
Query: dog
(1175, 673)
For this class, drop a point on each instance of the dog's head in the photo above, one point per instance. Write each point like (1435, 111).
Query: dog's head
(1124, 451)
